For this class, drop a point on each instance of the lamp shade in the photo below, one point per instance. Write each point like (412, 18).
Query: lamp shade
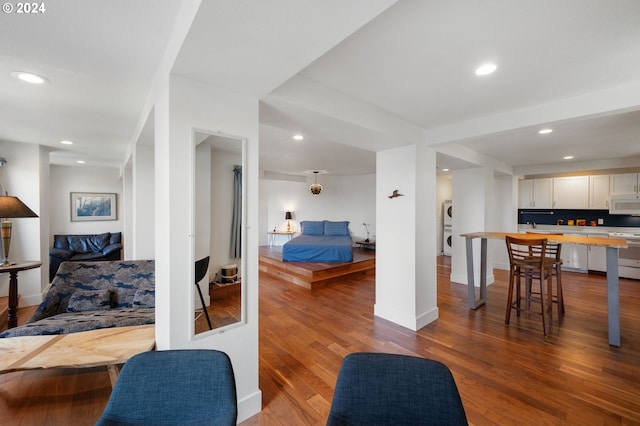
(13, 207)
(287, 216)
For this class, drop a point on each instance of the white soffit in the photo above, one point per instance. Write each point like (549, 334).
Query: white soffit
(251, 47)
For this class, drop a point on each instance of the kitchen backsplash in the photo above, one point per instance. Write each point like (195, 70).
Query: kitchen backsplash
(552, 216)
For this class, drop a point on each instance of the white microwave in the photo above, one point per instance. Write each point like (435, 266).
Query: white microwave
(624, 204)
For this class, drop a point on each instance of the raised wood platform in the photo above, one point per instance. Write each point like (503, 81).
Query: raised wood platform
(315, 274)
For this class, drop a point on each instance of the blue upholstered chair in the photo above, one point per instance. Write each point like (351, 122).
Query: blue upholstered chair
(386, 389)
(174, 387)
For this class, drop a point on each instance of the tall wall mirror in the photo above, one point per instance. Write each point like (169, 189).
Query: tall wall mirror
(218, 240)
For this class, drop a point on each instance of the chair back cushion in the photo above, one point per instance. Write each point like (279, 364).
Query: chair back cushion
(190, 387)
(388, 389)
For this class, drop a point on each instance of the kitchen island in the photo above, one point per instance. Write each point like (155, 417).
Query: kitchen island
(612, 245)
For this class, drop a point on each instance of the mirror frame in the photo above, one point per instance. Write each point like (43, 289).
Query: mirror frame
(243, 238)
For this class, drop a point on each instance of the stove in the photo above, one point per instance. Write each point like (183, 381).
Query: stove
(629, 258)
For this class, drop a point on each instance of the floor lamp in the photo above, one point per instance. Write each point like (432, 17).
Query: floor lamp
(11, 207)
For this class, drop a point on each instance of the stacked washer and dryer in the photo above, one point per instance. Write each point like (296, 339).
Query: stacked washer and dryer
(446, 228)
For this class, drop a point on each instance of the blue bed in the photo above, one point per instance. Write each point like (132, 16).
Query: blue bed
(320, 241)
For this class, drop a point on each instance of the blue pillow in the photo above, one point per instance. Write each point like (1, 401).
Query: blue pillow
(310, 227)
(336, 228)
(89, 300)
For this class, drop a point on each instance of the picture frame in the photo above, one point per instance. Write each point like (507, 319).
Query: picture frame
(93, 206)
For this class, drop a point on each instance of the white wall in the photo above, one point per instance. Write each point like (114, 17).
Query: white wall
(469, 196)
(406, 285)
(180, 107)
(85, 178)
(505, 217)
(127, 210)
(351, 198)
(45, 212)
(21, 177)
(143, 212)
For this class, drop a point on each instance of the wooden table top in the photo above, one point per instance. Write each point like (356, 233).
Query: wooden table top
(568, 239)
(22, 265)
(106, 346)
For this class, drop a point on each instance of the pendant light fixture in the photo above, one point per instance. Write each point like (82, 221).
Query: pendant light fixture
(315, 188)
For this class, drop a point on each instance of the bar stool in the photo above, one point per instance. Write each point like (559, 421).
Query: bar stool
(553, 256)
(527, 258)
(201, 268)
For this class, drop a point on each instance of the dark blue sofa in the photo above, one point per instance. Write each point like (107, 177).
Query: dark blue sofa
(91, 247)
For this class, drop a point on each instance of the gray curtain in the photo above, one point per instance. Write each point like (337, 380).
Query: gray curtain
(236, 221)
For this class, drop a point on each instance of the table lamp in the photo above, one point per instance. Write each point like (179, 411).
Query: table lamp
(11, 207)
(288, 218)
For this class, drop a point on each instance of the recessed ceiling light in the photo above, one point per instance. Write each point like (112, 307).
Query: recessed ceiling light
(66, 142)
(29, 77)
(486, 69)
(80, 161)
(445, 170)
(567, 157)
(545, 131)
(298, 137)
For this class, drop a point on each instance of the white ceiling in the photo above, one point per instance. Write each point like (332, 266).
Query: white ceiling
(353, 76)
(100, 58)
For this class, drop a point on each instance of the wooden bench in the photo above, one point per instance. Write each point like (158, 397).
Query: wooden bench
(110, 347)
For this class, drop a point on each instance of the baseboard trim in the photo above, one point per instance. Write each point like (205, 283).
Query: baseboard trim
(249, 406)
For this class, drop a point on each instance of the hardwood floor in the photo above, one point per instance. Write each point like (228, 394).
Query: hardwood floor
(505, 375)
(224, 308)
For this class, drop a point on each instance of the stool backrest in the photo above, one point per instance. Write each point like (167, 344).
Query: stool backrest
(553, 248)
(526, 252)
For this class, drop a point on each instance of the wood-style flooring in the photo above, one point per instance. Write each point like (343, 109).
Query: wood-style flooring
(224, 308)
(505, 375)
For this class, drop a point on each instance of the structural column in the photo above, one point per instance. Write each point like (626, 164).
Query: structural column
(406, 285)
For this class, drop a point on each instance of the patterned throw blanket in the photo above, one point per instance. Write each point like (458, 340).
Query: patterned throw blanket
(90, 295)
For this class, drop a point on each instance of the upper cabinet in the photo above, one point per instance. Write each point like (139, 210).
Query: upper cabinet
(599, 192)
(624, 183)
(575, 192)
(535, 193)
(571, 192)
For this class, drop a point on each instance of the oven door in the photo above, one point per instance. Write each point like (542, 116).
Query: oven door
(631, 255)
(629, 260)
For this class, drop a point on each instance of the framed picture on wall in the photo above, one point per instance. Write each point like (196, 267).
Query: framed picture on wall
(88, 206)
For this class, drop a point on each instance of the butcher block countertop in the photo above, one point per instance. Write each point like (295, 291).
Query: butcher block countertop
(568, 239)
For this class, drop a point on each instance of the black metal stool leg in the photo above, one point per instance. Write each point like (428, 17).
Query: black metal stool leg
(204, 307)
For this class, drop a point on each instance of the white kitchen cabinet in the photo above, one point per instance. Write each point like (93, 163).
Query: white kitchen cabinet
(571, 192)
(535, 193)
(597, 256)
(624, 183)
(599, 192)
(574, 257)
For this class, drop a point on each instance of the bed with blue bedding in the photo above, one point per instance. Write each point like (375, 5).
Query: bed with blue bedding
(320, 241)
